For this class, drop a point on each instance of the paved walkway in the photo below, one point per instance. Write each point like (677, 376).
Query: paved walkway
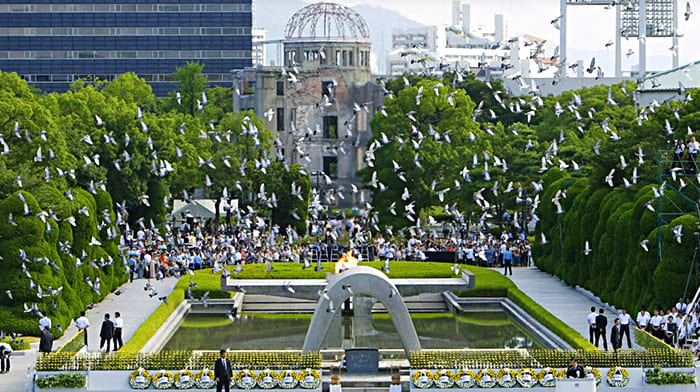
(135, 307)
(561, 300)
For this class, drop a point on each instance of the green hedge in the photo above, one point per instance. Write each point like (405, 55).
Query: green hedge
(490, 283)
(74, 344)
(65, 380)
(645, 339)
(614, 221)
(656, 376)
(32, 236)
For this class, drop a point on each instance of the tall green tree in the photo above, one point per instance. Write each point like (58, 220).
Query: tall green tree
(191, 83)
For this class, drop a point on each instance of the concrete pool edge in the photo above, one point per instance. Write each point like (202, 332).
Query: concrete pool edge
(548, 338)
(454, 305)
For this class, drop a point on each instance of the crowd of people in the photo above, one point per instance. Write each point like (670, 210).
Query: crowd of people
(678, 326)
(194, 244)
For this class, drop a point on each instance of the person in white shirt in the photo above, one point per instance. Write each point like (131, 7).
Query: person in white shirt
(681, 306)
(118, 325)
(82, 323)
(643, 318)
(44, 322)
(625, 320)
(591, 324)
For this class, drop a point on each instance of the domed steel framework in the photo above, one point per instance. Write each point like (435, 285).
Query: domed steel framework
(326, 20)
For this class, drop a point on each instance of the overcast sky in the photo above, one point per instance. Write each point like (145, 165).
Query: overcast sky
(590, 27)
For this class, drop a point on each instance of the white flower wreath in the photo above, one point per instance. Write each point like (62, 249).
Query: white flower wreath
(309, 379)
(593, 374)
(140, 379)
(163, 379)
(526, 377)
(506, 378)
(267, 379)
(287, 379)
(444, 379)
(204, 379)
(184, 379)
(548, 377)
(618, 377)
(486, 378)
(423, 379)
(465, 378)
(246, 379)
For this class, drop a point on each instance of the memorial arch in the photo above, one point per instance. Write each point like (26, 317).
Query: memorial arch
(363, 281)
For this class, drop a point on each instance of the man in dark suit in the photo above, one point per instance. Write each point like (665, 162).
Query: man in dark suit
(601, 323)
(46, 342)
(575, 370)
(616, 335)
(106, 332)
(223, 373)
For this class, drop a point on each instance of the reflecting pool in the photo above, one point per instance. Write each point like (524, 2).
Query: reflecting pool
(287, 331)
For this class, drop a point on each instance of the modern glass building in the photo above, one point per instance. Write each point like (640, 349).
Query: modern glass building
(51, 43)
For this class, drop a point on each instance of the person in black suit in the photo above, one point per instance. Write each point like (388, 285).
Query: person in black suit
(575, 370)
(601, 322)
(616, 335)
(106, 332)
(46, 342)
(223, 373)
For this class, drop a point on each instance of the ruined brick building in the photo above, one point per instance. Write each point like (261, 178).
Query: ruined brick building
(321, 101)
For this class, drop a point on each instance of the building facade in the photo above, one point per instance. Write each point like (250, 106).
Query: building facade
(52, 43)
(320, 101)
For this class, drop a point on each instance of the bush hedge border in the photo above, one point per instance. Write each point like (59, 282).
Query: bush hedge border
(647, 340)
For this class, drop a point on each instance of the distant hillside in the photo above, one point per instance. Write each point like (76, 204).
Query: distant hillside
(273, 15)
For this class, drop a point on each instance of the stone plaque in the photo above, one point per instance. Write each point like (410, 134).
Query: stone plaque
(362, 360)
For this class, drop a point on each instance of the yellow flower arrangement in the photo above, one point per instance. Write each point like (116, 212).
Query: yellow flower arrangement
(287, 379)
(422, 379)
(548, 377)
(526, 377)
(267, 379)
(486, 378)
(618, 377)
(204, 379)
(163, 379)
(465, 378)
(140, 379)
(310, 379)
(246, 379)
(184, 379)
(506, 377)
(444, 379)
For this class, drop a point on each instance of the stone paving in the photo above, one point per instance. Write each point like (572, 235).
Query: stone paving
(135, 307)
(563, 301)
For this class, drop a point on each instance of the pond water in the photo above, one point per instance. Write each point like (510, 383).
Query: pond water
(287, 331)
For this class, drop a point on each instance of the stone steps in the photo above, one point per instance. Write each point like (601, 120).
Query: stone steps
(433, 303)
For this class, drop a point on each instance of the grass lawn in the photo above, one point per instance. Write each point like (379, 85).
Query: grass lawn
(488, 284)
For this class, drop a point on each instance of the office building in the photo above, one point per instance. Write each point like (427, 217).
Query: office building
(52, 43)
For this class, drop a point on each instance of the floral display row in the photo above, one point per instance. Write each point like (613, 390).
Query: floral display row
(243, 379)
(508, 378)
